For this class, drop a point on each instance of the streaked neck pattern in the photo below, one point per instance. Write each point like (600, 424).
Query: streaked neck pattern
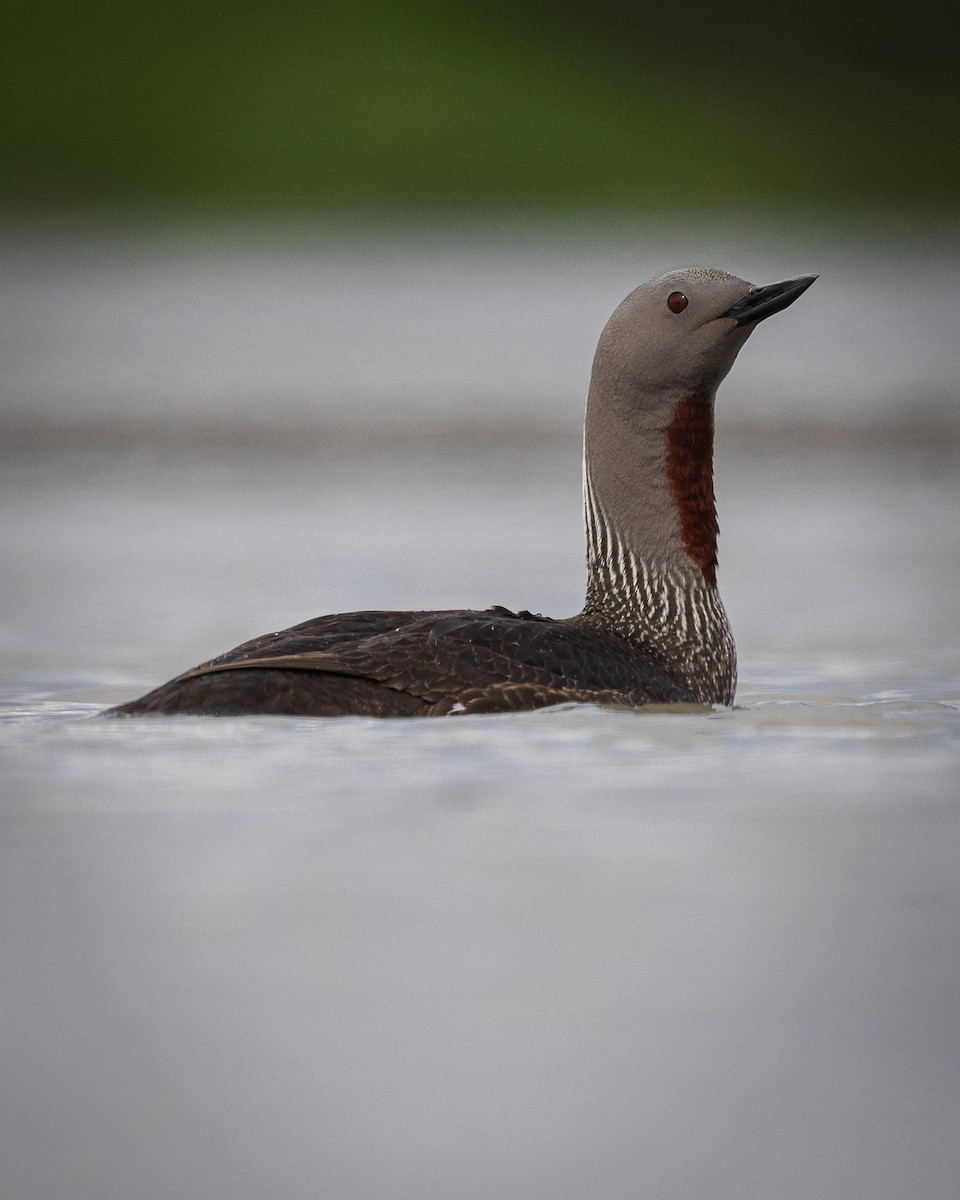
(672, 612)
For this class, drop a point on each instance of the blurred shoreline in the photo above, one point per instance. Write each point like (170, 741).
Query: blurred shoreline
(932, 435)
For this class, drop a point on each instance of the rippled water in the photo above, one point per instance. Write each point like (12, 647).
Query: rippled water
(559, 954)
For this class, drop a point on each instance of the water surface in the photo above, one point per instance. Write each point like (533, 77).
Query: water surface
(567, 953)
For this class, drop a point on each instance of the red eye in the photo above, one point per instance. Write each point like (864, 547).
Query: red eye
(677, 302)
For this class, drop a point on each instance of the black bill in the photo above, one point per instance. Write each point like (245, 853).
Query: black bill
(761, 302)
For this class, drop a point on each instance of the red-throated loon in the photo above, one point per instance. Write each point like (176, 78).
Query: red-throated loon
(652, 629)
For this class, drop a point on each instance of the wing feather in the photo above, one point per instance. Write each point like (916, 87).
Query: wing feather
(461, 660)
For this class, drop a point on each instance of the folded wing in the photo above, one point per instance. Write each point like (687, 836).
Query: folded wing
(416, 663)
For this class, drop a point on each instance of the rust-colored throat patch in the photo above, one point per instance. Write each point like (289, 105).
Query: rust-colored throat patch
(690, 476)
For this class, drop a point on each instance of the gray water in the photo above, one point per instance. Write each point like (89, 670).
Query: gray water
(562, 954)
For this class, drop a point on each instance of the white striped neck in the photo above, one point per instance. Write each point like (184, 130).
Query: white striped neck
(668, 608)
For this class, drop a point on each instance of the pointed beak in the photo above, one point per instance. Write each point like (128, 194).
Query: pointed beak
(762, 302)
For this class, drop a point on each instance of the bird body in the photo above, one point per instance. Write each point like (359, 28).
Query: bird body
(652, 629)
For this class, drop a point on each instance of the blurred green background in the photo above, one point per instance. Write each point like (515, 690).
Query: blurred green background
(203, 104)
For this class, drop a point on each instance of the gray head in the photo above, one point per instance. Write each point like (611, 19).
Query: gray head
(680, 333)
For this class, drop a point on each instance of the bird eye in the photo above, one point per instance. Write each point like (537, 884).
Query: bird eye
(677, 302)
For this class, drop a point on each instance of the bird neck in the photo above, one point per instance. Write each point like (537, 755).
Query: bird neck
(651, 526)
